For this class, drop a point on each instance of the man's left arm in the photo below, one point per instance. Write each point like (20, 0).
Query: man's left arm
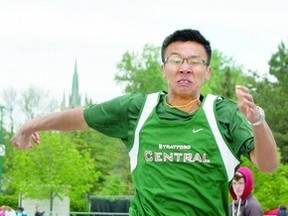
(264, 155)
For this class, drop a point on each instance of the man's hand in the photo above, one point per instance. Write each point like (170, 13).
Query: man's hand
(23, 138)
(264, 155)
(68, 120)
(246, 104)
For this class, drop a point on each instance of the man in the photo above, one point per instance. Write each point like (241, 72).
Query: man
(244, 203)
(183, 146)
(38, 212)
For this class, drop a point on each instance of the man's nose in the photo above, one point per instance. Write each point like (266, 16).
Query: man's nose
(185, 67)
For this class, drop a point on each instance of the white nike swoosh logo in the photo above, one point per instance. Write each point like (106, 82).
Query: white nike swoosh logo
(197, 130)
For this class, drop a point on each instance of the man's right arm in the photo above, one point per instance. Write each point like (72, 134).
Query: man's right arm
(68, 120)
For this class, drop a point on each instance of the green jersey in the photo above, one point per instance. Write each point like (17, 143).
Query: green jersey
(181, 164)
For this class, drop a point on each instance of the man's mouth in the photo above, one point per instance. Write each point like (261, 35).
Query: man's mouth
(184, 81)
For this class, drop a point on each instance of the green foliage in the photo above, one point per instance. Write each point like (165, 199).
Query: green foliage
(278, 90)
(54, 167)
(141, 72)
(225, 75)
(272, 96)
(279, 66)
(80, 204)
(282, 143)
(9, 200)
(114, 186)
(106, 153)
(69, 163)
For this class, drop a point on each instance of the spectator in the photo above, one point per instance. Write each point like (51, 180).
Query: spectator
(38, 212)
(244, 203)
(282, 211)
(8, 211)
(2, 211)
(21, 212)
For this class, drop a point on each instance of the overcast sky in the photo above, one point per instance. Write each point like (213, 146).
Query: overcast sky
(40, 39)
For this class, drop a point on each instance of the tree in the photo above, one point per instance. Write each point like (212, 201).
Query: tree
(111, 160)
(272, 95)
(36, 102)
(141, 72)
(53, 169)
(225, 75)
(279, 66)
(10, 98)
(279, 93)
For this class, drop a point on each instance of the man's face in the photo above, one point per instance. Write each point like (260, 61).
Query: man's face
(238, 187)
(185, 78)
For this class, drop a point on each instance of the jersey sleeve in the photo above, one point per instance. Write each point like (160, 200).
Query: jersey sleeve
(236, 129)
(113, 117)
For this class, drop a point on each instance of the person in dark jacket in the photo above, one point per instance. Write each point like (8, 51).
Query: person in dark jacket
(21, 212)
(244, 203)
(38, 212)
(282, 211)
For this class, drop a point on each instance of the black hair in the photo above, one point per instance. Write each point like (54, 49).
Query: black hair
(20, 208)
(238, 176)
(186, 35)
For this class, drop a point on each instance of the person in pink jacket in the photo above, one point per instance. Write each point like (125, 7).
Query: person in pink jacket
(2, 211)
(244, 203)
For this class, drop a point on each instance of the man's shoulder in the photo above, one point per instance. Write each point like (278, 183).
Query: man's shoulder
(223, 105)
(139, 99)
(221, 100)
(252, 204)
(252, 199)
(132, 97)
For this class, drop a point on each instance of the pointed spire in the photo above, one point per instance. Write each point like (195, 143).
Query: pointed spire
(75, 98)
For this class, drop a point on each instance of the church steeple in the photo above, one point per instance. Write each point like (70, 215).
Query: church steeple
(75, 98)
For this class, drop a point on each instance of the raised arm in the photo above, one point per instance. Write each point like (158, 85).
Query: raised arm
(264, 155)
(68, 120)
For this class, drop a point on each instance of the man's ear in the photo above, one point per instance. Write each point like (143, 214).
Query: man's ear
(163, 70)
(208, 73)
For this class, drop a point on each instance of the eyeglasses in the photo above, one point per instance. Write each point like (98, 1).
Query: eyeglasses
(177, 60)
